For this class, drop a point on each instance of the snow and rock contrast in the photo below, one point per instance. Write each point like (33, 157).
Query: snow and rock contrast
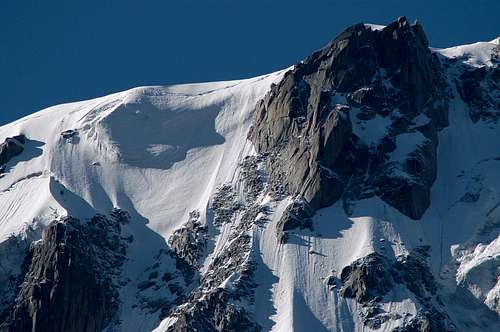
(315, 123)
(355, 191)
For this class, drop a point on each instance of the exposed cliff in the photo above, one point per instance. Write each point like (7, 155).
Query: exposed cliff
(68, 283)
(315, 124)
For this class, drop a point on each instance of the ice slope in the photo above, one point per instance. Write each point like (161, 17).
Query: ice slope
(160, 152)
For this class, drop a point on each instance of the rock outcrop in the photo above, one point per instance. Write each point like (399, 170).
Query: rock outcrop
(189, 242)
(214, 313)
(366, 279)
(13, 252)
(427, 321)
(226, 288)
(370, 278)
(479, 87)
(312, 124)
(68, 283)
(297, 215)
(70, 136)
(11, 147)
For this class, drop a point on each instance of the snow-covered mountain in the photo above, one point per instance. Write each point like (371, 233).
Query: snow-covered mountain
(355, 191)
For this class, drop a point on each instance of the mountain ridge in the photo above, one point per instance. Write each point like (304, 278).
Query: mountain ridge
(219, 232)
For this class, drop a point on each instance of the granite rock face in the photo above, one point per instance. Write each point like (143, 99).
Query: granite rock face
(189, 242)
(68, 284)
(297, 215)
(369, 279)
(13, 252)
(312, 124)
(366, 279)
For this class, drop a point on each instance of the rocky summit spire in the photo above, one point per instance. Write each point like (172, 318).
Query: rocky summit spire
(312, 124)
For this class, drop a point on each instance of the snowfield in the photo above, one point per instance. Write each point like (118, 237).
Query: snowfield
(158, 151)
(161, 152)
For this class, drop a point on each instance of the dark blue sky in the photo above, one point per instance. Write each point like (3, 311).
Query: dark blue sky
(56, 51)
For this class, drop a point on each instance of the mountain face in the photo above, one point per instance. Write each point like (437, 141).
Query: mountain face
(306, 122)
(355, 191)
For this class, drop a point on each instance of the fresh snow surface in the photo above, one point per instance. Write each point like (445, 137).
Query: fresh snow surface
(160, 152)
(369, 131)
(477, 54)
(374, 26)
(405, 145)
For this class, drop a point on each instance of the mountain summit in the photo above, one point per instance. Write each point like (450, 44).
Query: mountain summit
(357, 190)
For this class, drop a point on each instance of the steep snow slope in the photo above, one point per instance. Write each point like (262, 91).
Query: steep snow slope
(160, 153)
(155, 152)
